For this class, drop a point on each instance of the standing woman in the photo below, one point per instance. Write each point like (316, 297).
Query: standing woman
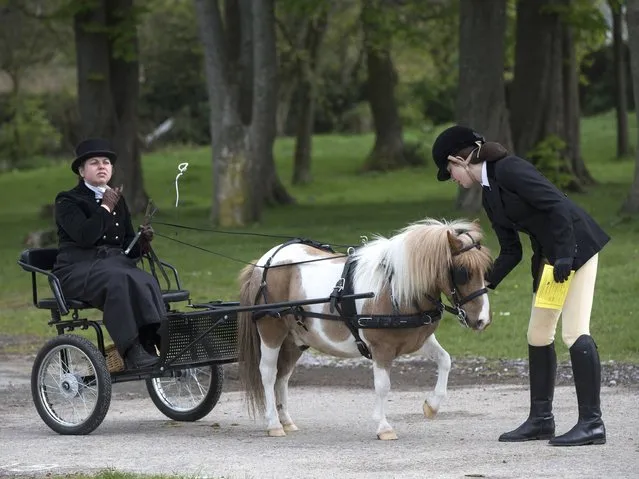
(518, 198)
(94, 229)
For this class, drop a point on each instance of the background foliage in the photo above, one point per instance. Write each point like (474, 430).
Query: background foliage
(424, 48)
(338, 207)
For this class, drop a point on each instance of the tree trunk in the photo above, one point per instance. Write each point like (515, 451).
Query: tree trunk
(303, 145)
(572, 108)
(242, 110)
(125, 73)
(388, 151)
(108, 89)
(229, 137)
(481, 102)
(267, 186)
(94, 72)
(537, 106)
(621, 101)
(631, 204)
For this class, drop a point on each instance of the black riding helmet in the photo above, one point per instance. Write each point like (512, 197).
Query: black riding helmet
(449, 142)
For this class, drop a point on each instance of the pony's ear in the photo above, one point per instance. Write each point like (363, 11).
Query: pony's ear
(455, 243)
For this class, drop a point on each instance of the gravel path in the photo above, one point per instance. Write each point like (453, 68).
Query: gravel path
(332, 403)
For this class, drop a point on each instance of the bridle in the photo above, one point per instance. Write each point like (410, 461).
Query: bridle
(458, 277)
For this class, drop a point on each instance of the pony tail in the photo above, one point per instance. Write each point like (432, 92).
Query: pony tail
(248, 346)
(489, 151)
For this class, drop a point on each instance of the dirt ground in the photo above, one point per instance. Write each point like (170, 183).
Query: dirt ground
(331, 401)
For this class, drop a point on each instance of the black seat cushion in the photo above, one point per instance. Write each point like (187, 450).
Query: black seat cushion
(175, 295)
(51, 303)
(41, 258)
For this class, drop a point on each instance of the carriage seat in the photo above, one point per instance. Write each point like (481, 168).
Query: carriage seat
(41, 260)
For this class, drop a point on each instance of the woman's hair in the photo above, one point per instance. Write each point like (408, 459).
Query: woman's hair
(489, 151)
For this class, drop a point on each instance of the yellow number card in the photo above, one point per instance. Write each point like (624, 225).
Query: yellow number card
(551, 294)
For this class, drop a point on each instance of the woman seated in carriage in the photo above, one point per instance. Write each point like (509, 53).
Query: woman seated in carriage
(94, 229)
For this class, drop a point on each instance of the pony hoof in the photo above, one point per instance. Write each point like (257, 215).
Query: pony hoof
(290, 427)
(387, 436)
(429, 412)
(276, 432)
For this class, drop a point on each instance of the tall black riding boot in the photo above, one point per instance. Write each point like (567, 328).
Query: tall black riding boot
(542, 365)
(586, 370)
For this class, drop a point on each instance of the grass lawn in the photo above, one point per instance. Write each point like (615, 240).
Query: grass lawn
(338, 206)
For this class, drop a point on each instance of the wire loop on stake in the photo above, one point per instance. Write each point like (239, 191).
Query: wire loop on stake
(181, 168)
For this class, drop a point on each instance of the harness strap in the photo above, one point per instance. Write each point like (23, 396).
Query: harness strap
(378, 321)
(346, 308)
(315, 244)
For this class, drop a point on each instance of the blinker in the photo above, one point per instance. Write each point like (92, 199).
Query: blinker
(460, 275)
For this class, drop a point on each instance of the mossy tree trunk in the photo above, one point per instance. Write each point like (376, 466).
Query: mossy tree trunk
(241, 71)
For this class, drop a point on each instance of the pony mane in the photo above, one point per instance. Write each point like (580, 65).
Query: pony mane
(417, 258)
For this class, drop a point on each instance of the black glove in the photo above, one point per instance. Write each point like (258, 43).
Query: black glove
(146, 233)
(487, 281)
(146, 236)
(561, 269)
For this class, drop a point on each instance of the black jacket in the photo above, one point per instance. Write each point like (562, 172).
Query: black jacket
(84, 226)
(521, 199)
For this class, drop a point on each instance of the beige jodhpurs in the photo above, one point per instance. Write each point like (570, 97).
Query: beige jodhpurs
(575, 317)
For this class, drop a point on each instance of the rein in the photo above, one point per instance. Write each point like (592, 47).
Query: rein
(230, 258)
(241, 233)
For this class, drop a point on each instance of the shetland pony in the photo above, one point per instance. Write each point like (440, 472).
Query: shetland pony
(407, 274)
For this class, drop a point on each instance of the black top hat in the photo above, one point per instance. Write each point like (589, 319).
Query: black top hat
(449, 142)
(91, 148)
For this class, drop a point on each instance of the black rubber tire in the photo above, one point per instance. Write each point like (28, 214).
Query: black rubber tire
(102, 385)
(198, 411)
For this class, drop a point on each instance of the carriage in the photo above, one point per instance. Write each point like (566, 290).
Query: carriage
(381, 301)
(72, 376)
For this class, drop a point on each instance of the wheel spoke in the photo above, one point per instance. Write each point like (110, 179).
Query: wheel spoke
(68, 400)
(184, 392)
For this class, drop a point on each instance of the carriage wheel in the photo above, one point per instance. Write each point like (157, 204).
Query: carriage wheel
(71, 385)
(187, 394)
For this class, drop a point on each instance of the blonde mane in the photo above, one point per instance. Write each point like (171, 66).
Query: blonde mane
(417, 258)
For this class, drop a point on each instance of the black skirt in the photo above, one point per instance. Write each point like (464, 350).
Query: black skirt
(107, 279)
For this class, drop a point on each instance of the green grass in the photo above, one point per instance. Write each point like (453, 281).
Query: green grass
(338, 206)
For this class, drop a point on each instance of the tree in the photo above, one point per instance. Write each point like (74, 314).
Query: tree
(26, 42)
(621, 100)
(388, 150)
(631, 204)
(306, 79)
(545, 108)
(537, 92)
(108, 86)
(481, 101)
(571, 114)
(240, 67)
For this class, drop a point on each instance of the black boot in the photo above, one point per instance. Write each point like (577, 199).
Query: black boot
(137, 357)
(150, 339)
(542, 366)
(586, 370)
